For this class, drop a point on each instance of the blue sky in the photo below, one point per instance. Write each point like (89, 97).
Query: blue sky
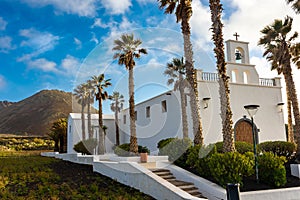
(58, 44)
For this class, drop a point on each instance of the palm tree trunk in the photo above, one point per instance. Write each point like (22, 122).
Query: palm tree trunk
(117, 123)
(89, 117)
(83, 121)
(224, 92)
(133, 138)
(191, 77)
(185, 130)
(287, 73)
(290, 133)
(101, 148)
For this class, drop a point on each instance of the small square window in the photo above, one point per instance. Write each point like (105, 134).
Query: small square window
(124, 119)
(147, 111)
(164, 106)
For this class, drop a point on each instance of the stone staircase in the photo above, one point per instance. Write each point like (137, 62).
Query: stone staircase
(185, 186)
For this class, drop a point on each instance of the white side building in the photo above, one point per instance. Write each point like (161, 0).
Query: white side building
(75, 133)
(160, 117)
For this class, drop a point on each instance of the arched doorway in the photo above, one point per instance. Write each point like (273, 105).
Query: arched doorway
(243, 131)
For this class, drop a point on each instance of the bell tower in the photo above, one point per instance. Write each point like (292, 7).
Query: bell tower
(237, 51)
(239, 68)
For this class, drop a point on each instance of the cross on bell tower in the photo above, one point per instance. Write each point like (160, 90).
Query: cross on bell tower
(236, 36)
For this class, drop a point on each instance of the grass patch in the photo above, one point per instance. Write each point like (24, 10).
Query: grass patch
(27, 176)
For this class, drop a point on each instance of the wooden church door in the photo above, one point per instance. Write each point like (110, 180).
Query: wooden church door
(243, 131)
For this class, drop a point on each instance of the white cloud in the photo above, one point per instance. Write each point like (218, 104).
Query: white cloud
(6, 44)
(143, 2)
(98, 23)
(116, 7)
(39, 42)
(249, 19)
(3, 24)
(86, 8)
(78, 43)
(94, 38)
(200, 24)
(70, 64)
(43, 64)
(2, 82)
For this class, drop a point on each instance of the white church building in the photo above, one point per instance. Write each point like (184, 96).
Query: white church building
(160, 117)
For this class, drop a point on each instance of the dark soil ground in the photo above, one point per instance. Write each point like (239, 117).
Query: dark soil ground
(78, 175)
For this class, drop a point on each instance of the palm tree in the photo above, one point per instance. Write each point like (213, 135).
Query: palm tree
(116, 107)
(224, 92)
(280, 51)
(176, 72)
(100, 83)
(183, 12)
(80, 93)
(126, 51)
(290, 130)
(295, 5)
(90, 100)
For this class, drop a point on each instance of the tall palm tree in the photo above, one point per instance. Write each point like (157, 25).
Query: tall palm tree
(90, 101)
(295, 5)
(116, 106)
(280, 51)
(100, 83)
(224, 92)
(80, 93)
(183, 12)
(290, 130)
(176, 72)
(126, 51)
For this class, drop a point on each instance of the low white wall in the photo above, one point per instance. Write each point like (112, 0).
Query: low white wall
(286, 194)
(134, 175)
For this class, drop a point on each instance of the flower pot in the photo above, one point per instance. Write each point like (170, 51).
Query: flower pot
(295, 170)
(144, 157)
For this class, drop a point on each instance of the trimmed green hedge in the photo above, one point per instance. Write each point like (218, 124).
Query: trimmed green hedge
(198, 157)
(271, 169)
(279, 148)
(86, 146)
(124, 149)
(231, 167)
(241, 147)
(175, 148)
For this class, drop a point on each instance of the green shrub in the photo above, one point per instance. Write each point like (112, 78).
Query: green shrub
(175, 148)
(241, 147)
(86, 146)
(271, 169)
(164, 142)
(124, 149)
(198, 157)
(230, 167)
(279, 148)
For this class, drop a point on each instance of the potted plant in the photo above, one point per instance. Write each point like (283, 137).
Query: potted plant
(144, 154)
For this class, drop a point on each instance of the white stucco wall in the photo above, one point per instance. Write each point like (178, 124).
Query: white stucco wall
(161, 125)
(75, 133)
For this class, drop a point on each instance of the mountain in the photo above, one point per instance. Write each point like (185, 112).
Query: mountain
(4, 104)
(35, 115)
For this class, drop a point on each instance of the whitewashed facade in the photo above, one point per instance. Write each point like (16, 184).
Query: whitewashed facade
(160, 117)
(75, 133)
